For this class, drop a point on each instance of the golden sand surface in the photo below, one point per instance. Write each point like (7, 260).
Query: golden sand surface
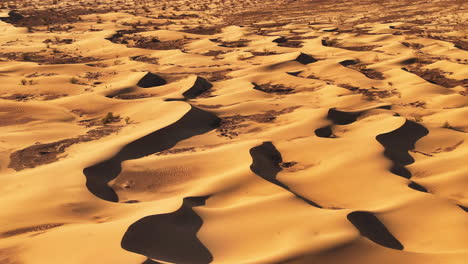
(210, 131)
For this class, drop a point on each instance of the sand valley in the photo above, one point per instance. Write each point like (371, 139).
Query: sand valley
(233, 132)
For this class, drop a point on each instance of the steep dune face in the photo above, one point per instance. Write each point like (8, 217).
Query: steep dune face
(227, 132)
(193, 123)
(171, 237)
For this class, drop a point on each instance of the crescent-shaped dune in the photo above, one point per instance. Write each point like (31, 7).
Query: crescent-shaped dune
(233, 132)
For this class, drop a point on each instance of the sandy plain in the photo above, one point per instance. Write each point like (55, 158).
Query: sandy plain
(212, 131)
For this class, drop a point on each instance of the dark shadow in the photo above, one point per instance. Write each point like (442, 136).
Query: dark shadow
(200, 86)
(371, 227)
(294, 73)
(175, 99)
(341, 117)
(151, 80)
(397, 143)
(120, 92)
(150, 261)
(280, 40)
(170, 237)
(324, 132)
(194, 122)
(266, 161)
(463, 208)
(347, 63)
(417, 187)
(305, 59)
(338, 118)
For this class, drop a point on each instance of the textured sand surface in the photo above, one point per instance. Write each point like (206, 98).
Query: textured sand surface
(205, 131)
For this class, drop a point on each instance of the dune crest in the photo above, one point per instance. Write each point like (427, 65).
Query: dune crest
(227, 132)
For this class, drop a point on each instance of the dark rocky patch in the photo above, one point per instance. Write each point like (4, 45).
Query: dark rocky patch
(436, 76)
(273, 88)
(41, 154)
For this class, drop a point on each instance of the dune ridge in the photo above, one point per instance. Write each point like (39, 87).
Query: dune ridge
(295, 132)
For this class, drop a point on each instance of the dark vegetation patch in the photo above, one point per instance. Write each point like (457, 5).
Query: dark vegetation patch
(215, 53)
(179, 16)
(270, 25)
(461, 44)
(131, 40)
(21, 97)
(144, 26)
(155, 44)
(457, 42)
(285, 42)
(371, 94)
(216, 76)
(98, 64)
(48, 17)
(359, 48)
(211, 76)
(203, 30)
(29, 229)
(230, 125)
(263, 53)
(362, 68)
(413, 45)
(235, 44)
(47, 58)
(273, 88)
(146, 59)
(216, 106)
(287, 164)
(436, 76)
(175, 151)
(132, 96)
(58, 41)
(40, 154)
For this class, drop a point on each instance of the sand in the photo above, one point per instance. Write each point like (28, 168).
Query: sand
(293, 132)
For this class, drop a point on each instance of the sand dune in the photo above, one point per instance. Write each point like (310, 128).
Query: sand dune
(294, 132)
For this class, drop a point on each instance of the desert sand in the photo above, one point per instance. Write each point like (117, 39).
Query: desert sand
(209, 131)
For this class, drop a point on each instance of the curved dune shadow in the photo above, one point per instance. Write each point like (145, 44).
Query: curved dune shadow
(200, 86)
(170, 237)
(150, 261)
(463, 208)
(325, 132)
(305, 59)
(338, 118)
(397, 143)
(194, 122)
(341, 117)
(266, 161)
(417, 187)
(151, 80)
(371, 227)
